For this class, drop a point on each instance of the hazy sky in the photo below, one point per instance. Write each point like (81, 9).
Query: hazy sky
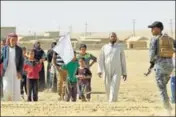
(101, 16)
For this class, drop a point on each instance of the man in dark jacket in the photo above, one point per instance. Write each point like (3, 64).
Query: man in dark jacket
(12, 59)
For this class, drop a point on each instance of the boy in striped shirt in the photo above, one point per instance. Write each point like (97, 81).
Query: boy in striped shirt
(61, 75)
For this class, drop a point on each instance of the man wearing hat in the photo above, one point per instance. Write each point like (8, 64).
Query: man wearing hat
(12, 59)
(162, 60)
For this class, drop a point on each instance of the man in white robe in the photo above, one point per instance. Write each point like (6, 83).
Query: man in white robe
(12, 59)
(111, 66)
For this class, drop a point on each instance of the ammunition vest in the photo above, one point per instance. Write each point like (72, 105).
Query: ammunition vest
(165, 46)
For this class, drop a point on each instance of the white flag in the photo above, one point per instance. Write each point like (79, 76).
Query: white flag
(64, 48)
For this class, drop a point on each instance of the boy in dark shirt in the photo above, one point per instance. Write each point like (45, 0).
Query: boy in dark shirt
(23, 80)
(89, 62)
(84, 75)
(32, 69)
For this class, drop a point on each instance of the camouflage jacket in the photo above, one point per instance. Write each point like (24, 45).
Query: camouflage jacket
(165, 65)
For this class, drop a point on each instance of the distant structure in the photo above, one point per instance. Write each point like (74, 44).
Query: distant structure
(52, 34)
(6, 30)
(134, 23)
(137, 42)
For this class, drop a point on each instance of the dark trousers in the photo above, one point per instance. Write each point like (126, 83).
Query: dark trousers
(32, 88)
(42, 79)
(49, 83)
(23, 85)
(71, 92)
(86, 87)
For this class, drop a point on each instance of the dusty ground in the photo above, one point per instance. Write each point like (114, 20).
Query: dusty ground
(138, 96)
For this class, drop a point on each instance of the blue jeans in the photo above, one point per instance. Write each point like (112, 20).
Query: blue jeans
(173, 89)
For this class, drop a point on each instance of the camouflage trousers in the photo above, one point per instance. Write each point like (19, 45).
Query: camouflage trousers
(162, 80)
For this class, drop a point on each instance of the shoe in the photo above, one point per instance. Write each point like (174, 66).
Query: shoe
(80, 97)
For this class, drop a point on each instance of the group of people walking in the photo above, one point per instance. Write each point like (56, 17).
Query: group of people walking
(27, 66)
(67, 78)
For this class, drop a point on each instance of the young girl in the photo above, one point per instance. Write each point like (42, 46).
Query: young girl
(32, 69)
(84, 75)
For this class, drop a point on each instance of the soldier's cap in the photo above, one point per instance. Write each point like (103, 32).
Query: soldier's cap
(157, 24)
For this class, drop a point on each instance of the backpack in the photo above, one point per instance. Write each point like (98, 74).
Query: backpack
(165, 46)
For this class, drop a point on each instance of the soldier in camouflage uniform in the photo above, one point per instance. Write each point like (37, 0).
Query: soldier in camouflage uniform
(163, 66)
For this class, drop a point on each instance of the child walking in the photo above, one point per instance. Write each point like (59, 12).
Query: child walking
(32, 69)
(23, 85)
(84, 75)
(71, 82)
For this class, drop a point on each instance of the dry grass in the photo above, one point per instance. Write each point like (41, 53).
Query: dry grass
(138, 96)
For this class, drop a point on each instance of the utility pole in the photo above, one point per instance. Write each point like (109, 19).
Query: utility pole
(85, 30)
(134, 23)
(171, 28)
(70, 29)
(59, 31)
(35, 35)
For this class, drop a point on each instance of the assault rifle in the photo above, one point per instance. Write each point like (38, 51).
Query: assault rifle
(152, 64)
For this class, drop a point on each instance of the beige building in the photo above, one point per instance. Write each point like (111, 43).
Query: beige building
(6, 30)
(137, 42)
(52, 34)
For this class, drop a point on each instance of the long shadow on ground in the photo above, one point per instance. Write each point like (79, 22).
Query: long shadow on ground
(98, 92)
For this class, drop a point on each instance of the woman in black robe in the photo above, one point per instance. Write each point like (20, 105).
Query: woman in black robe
(40, 54)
